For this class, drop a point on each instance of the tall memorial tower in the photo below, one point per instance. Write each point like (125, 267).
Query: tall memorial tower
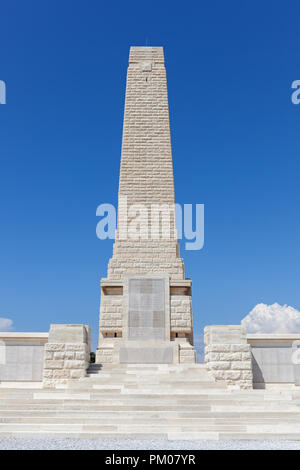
(146, 304)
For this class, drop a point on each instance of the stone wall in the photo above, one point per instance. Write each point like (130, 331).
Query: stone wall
(22, 356)
(275, 359)
(228, 356)
(67, 354)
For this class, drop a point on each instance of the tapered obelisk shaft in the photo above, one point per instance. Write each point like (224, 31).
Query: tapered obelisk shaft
(146, 174)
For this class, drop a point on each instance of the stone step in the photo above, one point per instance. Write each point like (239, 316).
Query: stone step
(158, 388)
(147, 375)
(149, 428)
(155, 421)
(82, 435)
(84, 399)
(149, 371)
(140, 399)
(145, 378)
(150, 366)
(178, 368)
(141, 414)
(148, 402)
(152, 436)
(98, 388)
(143, 408)
(135, 394)
(123, 428)
(106, 390)
(175, 435)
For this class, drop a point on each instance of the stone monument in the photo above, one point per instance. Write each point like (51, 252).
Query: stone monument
(146, 305)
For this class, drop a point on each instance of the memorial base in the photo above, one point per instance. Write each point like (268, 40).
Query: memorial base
(135, 352)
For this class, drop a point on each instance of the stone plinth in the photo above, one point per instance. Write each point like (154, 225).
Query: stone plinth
(67, 354)
(228, 356)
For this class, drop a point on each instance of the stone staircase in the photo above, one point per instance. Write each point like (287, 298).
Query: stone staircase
(149, 402)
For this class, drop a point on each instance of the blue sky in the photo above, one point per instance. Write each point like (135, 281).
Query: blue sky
(235, 137)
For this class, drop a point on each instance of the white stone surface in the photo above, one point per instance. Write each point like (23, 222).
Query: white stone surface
(150, 402)
(65, 360)
(146, 177)
(146, 306)
(22, 356)
(23, 335)
(272, 358)
(146, 355)
(67, 333)
(228, 356)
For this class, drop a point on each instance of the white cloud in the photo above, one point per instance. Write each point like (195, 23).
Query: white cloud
(272, 319)
(6, 324)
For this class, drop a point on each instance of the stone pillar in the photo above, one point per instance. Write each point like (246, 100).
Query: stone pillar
(67, 354)
(228, 356)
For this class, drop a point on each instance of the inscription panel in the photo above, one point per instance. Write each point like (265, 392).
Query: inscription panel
(146, 312)
(273, 364)
(23, 362)
(146, 355)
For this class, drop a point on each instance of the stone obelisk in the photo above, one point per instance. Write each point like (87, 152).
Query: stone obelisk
(146, 307)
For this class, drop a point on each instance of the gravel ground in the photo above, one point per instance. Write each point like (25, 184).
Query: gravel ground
(81, 444)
